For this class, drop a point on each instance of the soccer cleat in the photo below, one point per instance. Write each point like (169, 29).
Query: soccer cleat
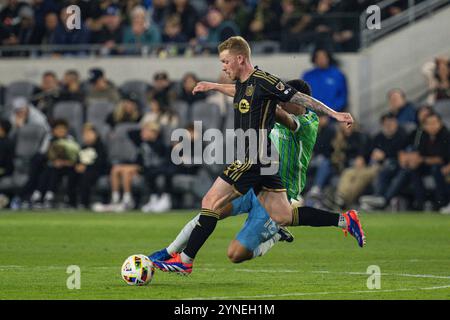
(354, 227)
(174, 264)
(160, 255)
(285, 234)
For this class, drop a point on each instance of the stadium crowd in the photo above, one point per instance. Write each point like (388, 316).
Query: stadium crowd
(111, 144)
(172, 27)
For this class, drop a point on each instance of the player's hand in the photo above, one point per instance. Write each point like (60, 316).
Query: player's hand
(203, 86)
(344, 117)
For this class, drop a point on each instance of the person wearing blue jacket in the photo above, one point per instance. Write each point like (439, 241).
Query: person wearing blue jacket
(327, 82)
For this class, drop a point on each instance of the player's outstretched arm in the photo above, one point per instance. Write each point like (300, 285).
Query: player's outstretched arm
(317, 106)
(204, 86)
(286, 119)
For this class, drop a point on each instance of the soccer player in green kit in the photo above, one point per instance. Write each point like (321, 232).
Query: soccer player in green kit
(294, 137)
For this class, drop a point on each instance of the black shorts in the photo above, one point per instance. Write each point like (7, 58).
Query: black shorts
(244, 176)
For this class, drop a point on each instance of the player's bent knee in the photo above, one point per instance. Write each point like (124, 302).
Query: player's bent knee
(283, 220)
(238, 253)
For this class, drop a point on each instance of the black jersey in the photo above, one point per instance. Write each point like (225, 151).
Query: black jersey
(255, 103)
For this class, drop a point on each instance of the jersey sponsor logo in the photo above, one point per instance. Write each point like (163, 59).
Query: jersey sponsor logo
(244, 106)
(249, 90)
(280, 86)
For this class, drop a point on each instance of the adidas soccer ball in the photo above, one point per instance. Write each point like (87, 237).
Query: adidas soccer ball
(137, 270)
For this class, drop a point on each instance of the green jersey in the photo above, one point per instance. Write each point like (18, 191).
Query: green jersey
(295, 150)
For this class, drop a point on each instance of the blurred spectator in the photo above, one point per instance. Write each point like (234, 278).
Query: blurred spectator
(327, 82)
(265, 24)
(41, 8)
(434, 151)
(111, 33)
(71, 87)
(9, 15)
(401, 108)
(154, 161)
(26, 31)
(162, 90)
(173, 35)
(64, 36)
(25, 113)
(49, 31)
(390, 184)
(188, 82)
(126, 111)
(295, 22)
(6, 149)
(48, 92)
(188, 16)
(321, 161)
(219, 29)
(101, 88)
(92, 163)
(224, 102)
(141, 32)
(350, 149)
(6, 158)
(160, 11)
(62, 157)
(166, 117)
(437, 73)
(383, 162)
(331, 30)
(199, 44)
(236, 11)
(39, 187)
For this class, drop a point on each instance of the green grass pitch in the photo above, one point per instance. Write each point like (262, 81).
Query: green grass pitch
(411, 250)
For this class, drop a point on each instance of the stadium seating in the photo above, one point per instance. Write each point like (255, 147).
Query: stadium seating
(28, 141)
(96, 114)
(72, 112)
(137, 89)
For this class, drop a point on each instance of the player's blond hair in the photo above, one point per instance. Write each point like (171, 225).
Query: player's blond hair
(236, 45)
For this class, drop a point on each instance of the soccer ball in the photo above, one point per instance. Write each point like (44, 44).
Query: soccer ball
(137, 270)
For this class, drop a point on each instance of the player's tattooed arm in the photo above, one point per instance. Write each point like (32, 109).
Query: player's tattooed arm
(290, 121)
(204, 86)
(319, 107)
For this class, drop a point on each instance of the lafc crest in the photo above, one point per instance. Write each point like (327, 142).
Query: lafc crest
(249, 90)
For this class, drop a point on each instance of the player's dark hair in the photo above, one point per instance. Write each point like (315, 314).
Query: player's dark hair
(300, 85)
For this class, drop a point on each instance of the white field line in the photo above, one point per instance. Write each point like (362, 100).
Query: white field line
(432, 276)
(298, 294)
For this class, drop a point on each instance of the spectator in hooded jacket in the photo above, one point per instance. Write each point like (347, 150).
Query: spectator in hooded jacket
(327, 82)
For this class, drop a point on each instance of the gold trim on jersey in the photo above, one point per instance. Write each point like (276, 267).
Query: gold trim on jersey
(236, 175)
(273, 190)
(262, 126)
(269, 78)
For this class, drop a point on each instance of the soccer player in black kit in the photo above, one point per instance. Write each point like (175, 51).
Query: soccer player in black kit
(256, 94)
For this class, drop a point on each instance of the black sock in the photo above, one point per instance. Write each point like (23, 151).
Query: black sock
(205, 226)
(308, 216)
